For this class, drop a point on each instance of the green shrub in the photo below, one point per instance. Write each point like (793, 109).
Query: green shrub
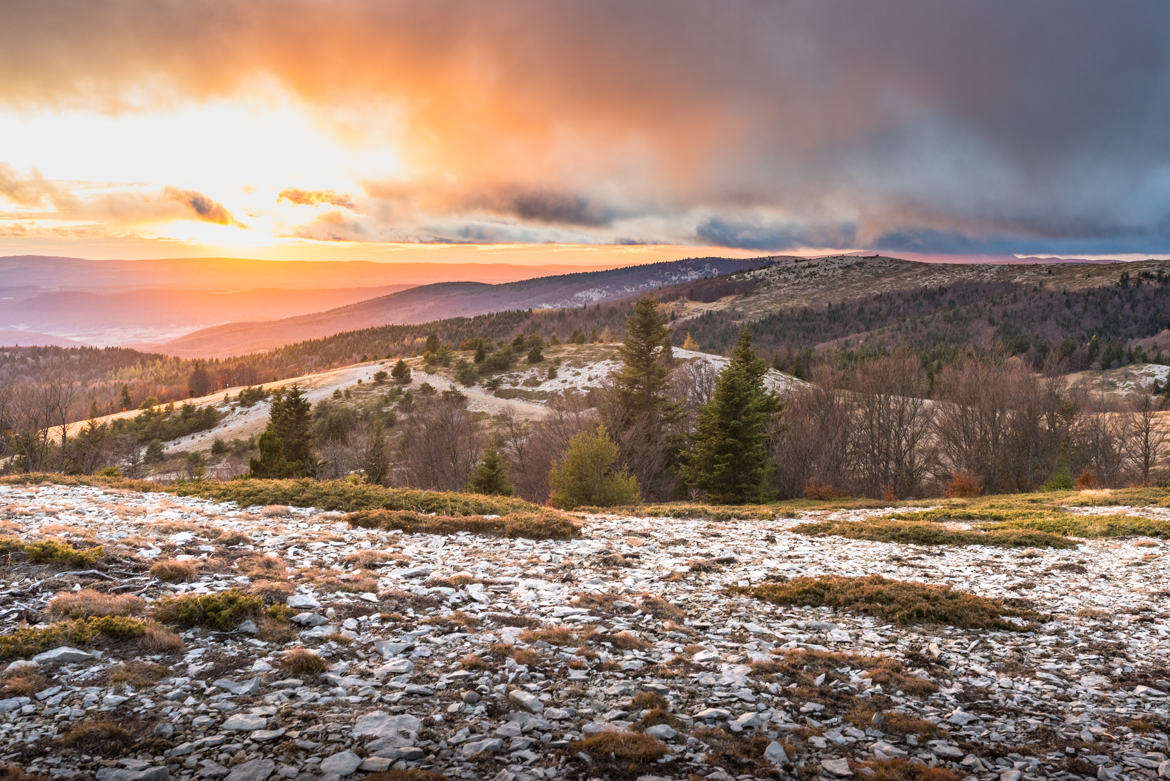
(51, 552)
(589, 474)
(224, 610)
(80, 632)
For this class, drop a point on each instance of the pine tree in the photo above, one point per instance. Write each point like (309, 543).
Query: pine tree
(490, 475)
(589, 474)
(286, 444)
(401, 372)
(729, 459)
(125, 400)
(644, 413)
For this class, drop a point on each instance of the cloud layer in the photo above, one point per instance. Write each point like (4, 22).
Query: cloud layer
(905, 125)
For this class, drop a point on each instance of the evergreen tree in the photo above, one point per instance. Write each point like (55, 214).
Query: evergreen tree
(200, 383)
(589, 474)
(433, 344)
(490, 475)
(401, 372)
(643, 414)
(729, 459)
(125, 400)
(286, 444)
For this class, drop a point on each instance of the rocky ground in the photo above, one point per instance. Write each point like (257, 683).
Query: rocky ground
(621, 654)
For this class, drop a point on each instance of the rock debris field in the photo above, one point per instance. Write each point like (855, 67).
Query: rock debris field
(624, 653)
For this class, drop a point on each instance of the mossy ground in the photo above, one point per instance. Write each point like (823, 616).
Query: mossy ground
(896, 601)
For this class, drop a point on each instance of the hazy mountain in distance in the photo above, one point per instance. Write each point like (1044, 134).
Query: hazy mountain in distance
(118, 317)
(452, 299)
(9, 338)
(54, 273)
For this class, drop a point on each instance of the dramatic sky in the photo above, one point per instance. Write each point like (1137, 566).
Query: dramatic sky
(581, 131)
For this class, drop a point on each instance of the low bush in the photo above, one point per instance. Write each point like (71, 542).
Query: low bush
(52, 552)
(917, 533)
(1051, 521)
(77, 632)
(901, 602)
(544, 525)
(224, 610)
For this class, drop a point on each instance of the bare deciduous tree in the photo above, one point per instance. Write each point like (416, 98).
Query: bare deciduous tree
(892, 439)
(439, 444)
(1145, 438)
(813, 441)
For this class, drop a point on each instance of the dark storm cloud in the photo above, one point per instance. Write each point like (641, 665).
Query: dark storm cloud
(943, 124)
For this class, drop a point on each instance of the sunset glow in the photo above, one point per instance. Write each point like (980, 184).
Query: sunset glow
(386, 130)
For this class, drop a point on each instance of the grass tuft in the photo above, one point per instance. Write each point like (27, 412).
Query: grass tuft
(621, 754)
(88, 603)
(900, 602)
(303, 662)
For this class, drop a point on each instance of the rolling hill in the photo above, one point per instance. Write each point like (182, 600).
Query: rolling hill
(427, 303)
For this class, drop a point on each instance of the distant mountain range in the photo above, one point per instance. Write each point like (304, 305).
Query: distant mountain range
(427, 303)
(106, 302)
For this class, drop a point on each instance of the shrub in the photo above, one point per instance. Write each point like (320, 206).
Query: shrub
(589, 474)
(62, 555)
(818, 490)
(538, 526)
(1087, 479)
(80, 632)
(88, 603)
(963, 485)
(174, 570)
(490, 475)
(900, 602)
(224, 610)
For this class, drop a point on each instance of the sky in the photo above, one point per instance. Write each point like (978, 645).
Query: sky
(584, 132)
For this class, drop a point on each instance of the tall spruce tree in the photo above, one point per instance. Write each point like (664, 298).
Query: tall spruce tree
(286, 444)
(729, 459)
(643, 414)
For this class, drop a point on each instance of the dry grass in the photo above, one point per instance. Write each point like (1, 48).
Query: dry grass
(174, 570)
(374, 559)
(96, 737)
(88, 603)
(409, 774)
(918, 533)
(804, 667)
(474, 662)
(660, 608)
(628, 641)
(902, 770)
(892, 722)
(544, 525)
(264, 567)
(138, 674)
(302, 662)
(22, 682)
(900, 602)
(272, 590)
(557, 635)
(620, 754)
